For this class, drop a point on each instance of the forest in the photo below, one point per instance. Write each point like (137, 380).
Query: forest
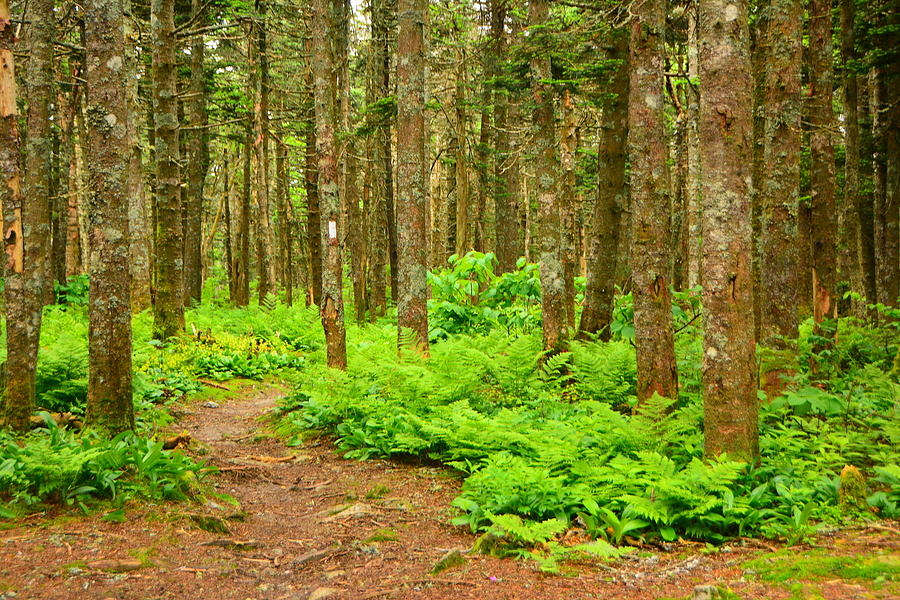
(487, 299)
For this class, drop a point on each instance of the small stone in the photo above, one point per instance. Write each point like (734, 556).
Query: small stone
(334, 574)
(210, 404)
(322, 592)
(706, 592)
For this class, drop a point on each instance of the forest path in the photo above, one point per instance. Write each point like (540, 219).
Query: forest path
(312, 526)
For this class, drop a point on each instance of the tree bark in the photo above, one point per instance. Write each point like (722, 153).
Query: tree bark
(412, 205)
(197, 165)
(168, 312)
(21, 331)
(547, 169)
(850, 258)
(261, 144)
(331, 306)
(463, 236)
(822, 168)
(650, 204)
(109, 402)
(567, 206)
(242, 264)
(282, 197)
(779, 187)
(140, 246)
(313, 217)
(612, 190)
(729, 362)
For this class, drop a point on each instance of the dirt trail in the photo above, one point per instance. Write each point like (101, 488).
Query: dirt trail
(317, 526)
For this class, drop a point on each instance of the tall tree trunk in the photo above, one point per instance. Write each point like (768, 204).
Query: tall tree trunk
(229, 235)
(375, 178)
(547, 169)
(266, 243)
(27, 219)
(606, 220)
(868, 267)
(331, 306)
(282, 197)
(242, 264)
(140, 246)
(64, 187)
(729, 362)
(822, 168)
(694, 182)
(22, 331)
(850, 258)
(412, 206)
(886, 131)
(109, 402)
(356, 229)
(567, 206)
(168, 312)
(463, 236)
(650, 205)
(197, 165)
(313, 216)
(779, 186)
(504, 202)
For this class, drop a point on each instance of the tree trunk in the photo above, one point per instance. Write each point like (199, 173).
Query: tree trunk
(331, 306)
(139, 247)
(412, 206)
(282, 197)
(168, 312)
(463, 237)
(266, 243)
(694, 182)
(313, 217)
(21, 330)
(504, 202)
(779, 187)
(25, 301)
(650, 205)
(567, 206)
(850, 256)
(242, 264)
(547, 169)
(229, 235)
(729, 361)
(886, 131)
(197, 166)
(822, 168)
(109, 402)
(606, 220)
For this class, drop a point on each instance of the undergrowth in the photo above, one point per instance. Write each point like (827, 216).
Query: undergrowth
(560, 444)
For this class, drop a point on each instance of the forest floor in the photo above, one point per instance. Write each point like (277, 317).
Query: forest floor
(311, 525)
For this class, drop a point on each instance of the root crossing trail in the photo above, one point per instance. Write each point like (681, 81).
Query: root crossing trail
(311, 525)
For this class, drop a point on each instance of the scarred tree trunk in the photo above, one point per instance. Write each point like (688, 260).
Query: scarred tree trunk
(822, 169)
(694, 183)
(606, 220)
(729, 399)
(197, 166)
(22, 312)
(650, 254)
(331, 306)
(412, 206)
(547, 170)
(168, 313)
(109, 402)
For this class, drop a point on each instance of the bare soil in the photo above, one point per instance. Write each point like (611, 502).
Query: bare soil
(311, 525)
